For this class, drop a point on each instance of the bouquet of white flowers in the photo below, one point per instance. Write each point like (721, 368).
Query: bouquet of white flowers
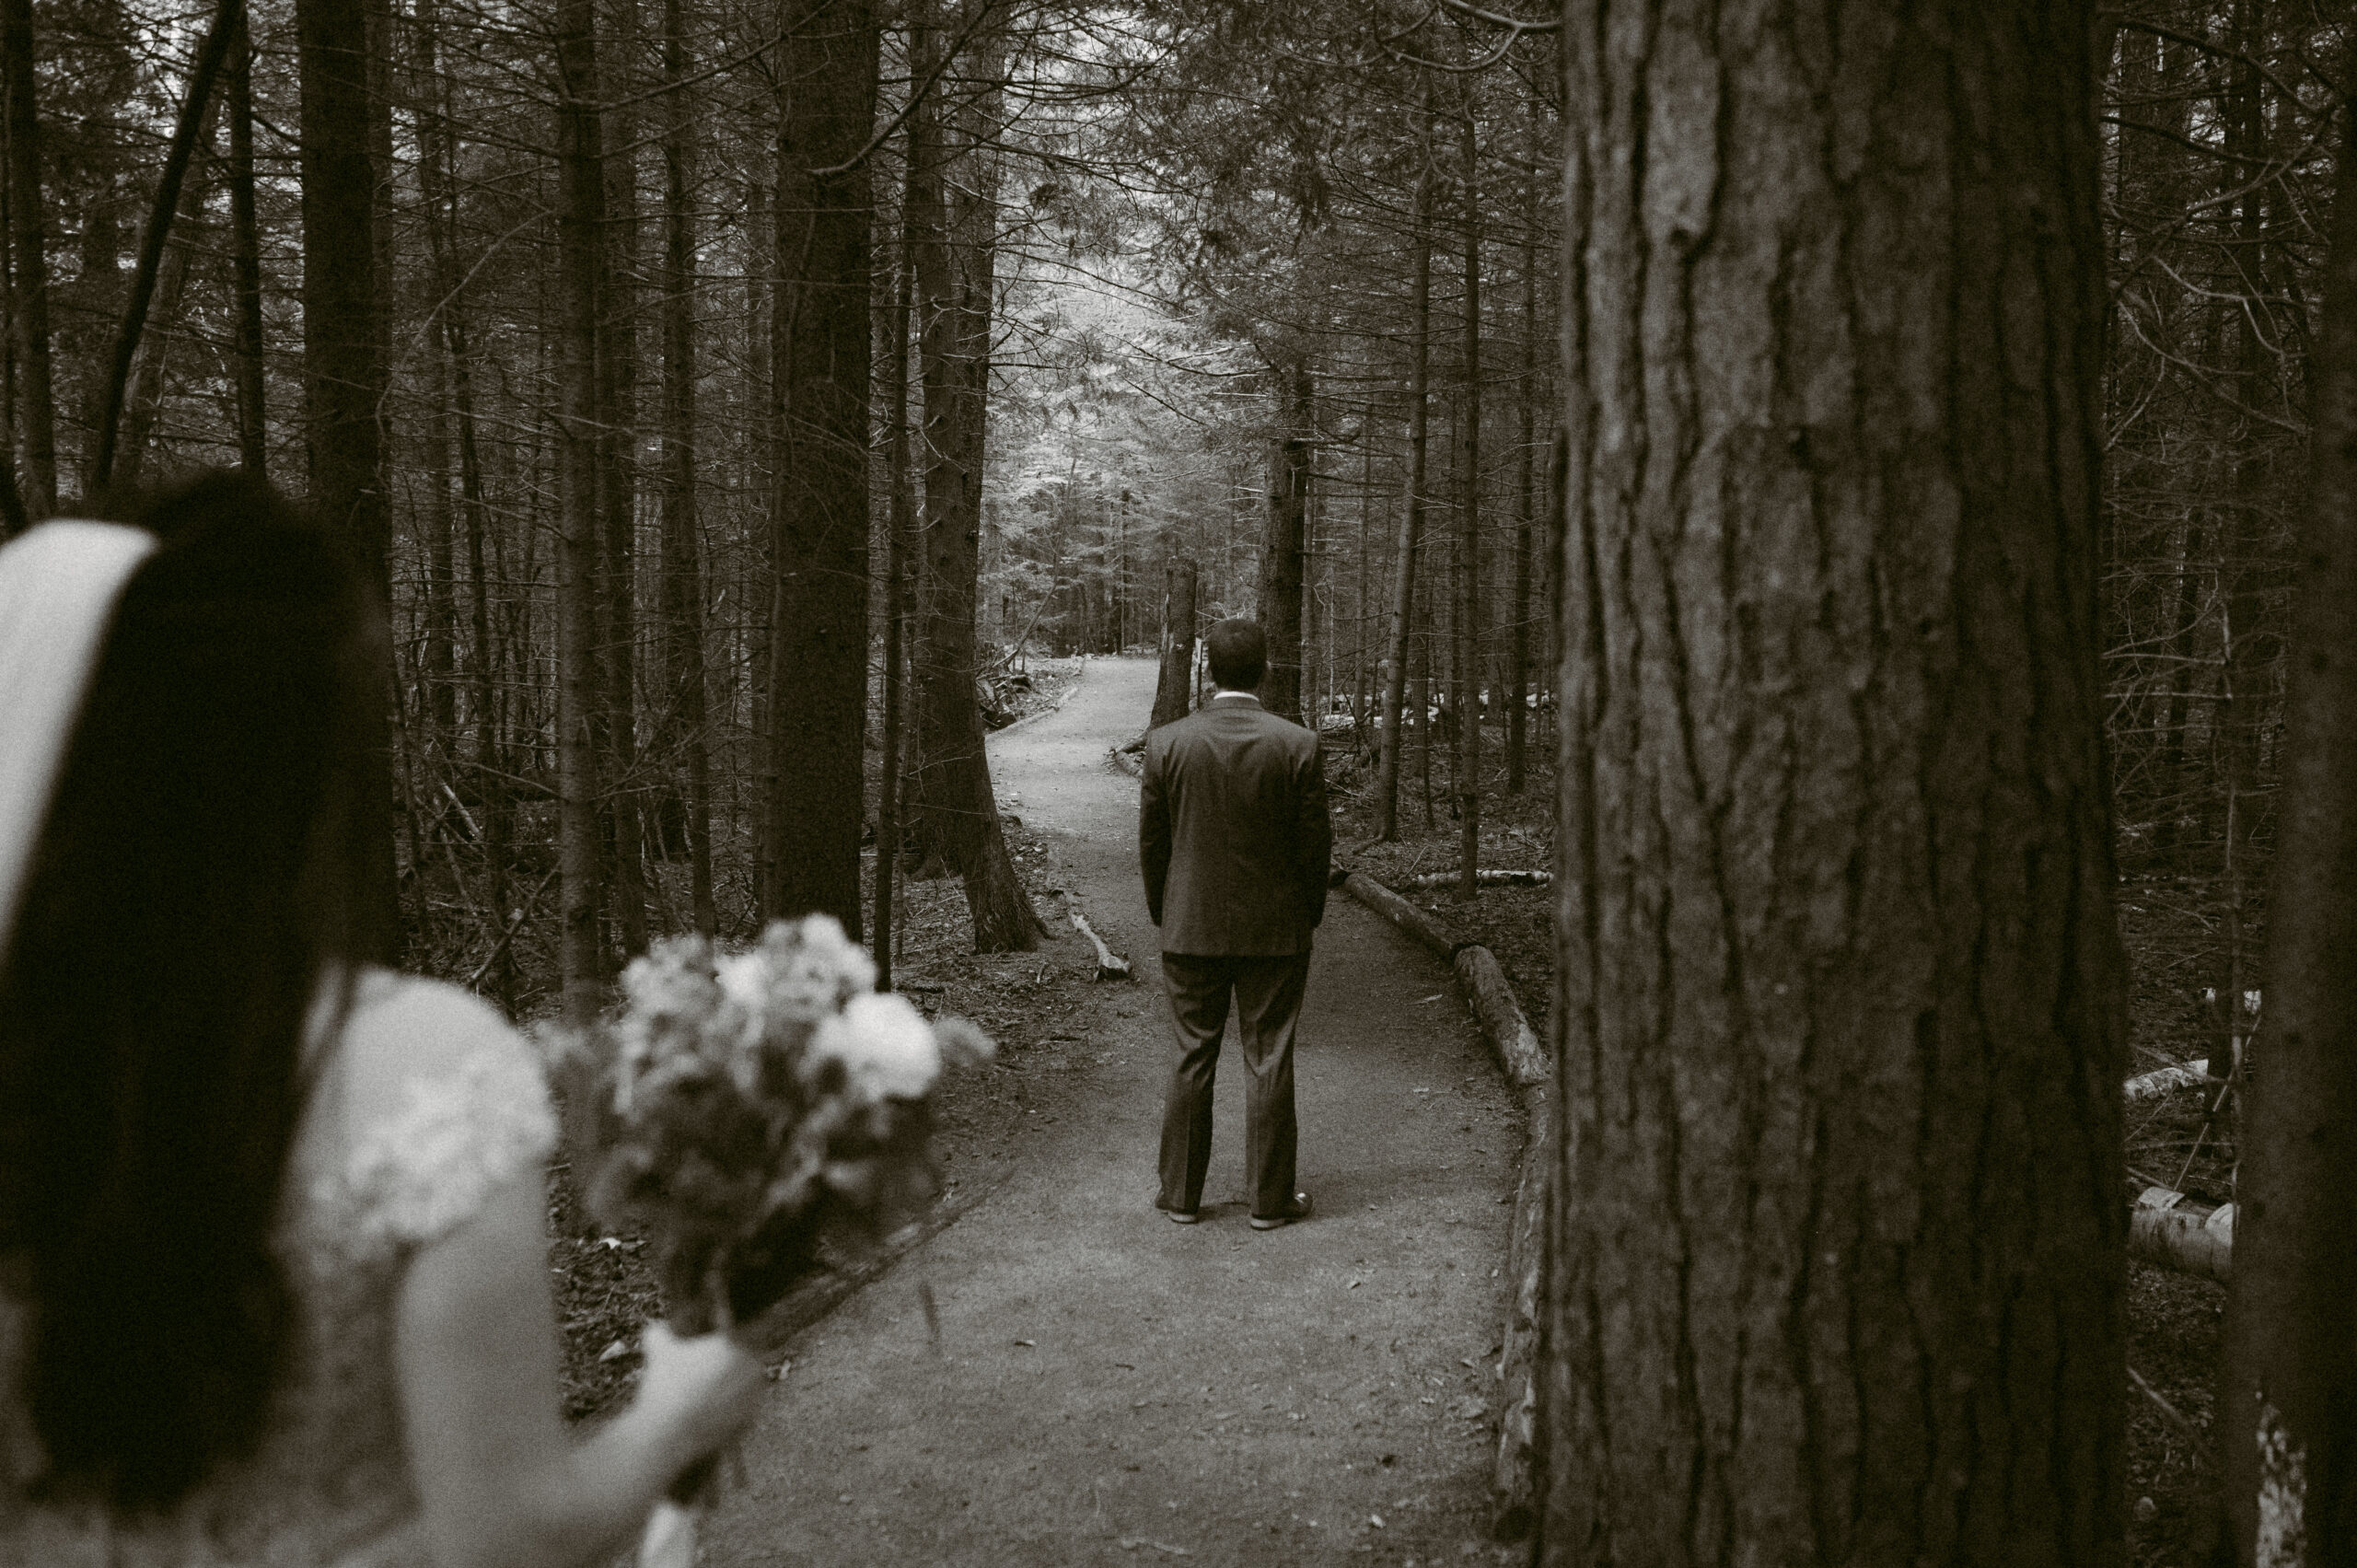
(746, 1107)
(756, 1102)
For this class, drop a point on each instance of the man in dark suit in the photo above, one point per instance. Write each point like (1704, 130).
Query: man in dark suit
(1232, 836)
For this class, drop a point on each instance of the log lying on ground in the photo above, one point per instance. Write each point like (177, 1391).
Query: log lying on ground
(1510, 1034)
(1128, 762)
(1418, 923)
(1110, 964)
(1486, 878)
(2161, 1080)
(2175, 1232)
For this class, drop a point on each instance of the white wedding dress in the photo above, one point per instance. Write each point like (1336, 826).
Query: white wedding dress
(427, 1104)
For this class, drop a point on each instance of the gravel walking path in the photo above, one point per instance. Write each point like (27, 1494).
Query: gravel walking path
(1108, 1387)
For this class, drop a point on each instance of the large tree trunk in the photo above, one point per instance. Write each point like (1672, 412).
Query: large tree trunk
(1281, 551)
(344, 365)
(681, 640)
(2289, 1391)
(1835, 1255)
(581, 202)
(1171, 694)
(956, 255)
(819, 512)
(1411, 514)
(29, 237)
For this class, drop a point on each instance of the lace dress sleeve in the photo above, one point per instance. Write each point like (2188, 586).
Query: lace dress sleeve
(462, 1110)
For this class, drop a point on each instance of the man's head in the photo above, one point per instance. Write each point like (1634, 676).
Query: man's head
(1238, 653)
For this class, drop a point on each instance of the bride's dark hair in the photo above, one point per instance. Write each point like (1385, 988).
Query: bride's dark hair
(204, 865)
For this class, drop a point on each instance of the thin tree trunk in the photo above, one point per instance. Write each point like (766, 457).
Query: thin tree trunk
(210, 52)
(144, 398)
(2171, 785)
(1411, 515)
(624, 803)
(1427, 719)
(822, 347)
(1834, 1233)
(898, 550)
(1180, 579)
(2288, 1386)
(245, 250)
(1465, 622)
(682, 642)
(1281, 579)
(1526, 462)
(956, 258)
(29, 234)
(581, 200)
(1360, 666)
(344, 369)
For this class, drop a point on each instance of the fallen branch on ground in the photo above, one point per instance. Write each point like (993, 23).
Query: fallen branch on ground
(1419, 923)
(1110, 964)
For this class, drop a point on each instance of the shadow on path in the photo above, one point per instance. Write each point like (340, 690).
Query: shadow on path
(1110, 1388)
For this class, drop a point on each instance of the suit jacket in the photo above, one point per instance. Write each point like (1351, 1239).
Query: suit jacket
(1232, 832)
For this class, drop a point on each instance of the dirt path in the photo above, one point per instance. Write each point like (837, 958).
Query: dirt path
(1109, 1387)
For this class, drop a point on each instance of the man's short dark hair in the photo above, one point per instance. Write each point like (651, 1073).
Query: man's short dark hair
(1238, 652)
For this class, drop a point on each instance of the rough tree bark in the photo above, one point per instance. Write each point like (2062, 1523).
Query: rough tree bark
(1836, 1238)
(956, 255)
(1180, 579)
(581, 202)
(818, 507)
(1285, 543)
(2287, 1400)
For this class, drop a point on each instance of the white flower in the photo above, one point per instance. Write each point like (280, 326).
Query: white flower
(744, 980)
(814, 967)
(884, 1045)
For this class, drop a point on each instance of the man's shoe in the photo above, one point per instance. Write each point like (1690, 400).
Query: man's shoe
(1296, 1210)
(1178, 1216)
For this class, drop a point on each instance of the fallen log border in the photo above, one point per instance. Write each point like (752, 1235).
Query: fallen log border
(1527, 1069)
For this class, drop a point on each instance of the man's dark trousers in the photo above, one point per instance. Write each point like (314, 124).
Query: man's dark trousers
(1234, 844)
(1268, 1008)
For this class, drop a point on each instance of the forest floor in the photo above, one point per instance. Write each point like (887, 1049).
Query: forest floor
(2173, 1318)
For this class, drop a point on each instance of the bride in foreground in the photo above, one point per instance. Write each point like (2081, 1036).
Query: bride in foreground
(273, 1280)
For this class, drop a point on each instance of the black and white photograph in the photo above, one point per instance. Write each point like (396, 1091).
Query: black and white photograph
(673, 674)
